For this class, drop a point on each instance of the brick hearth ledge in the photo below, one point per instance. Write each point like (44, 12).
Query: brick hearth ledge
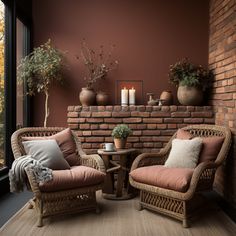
(152, 125)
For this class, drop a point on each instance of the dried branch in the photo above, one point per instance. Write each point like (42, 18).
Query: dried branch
(97, 64)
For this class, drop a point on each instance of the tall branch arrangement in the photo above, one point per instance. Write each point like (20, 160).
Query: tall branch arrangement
(39, 69)
(98, 64)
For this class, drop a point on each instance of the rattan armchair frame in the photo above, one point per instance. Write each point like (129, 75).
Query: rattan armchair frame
(177, 204)
(60, 202)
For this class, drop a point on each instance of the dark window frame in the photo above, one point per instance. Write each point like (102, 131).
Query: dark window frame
(11, 14)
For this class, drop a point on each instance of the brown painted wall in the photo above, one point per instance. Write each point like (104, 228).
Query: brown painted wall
(222, 59)
(150, 35)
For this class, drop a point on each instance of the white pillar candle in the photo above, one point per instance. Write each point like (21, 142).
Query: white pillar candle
(132, 96)
(124, 96)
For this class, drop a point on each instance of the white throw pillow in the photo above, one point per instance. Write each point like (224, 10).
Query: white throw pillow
(47, 152)
(184, 153)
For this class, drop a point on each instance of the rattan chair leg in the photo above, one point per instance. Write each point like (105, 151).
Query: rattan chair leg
(185, 223)
(139, 207)
(40, 219)
(31, 203)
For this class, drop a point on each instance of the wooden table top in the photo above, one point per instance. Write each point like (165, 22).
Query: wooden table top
(116, 152)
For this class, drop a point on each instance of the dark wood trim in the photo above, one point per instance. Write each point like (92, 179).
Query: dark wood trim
(27, 101)
(10, 79)
(11, 14)
(26, 18)
(5, 188)
(12, 11)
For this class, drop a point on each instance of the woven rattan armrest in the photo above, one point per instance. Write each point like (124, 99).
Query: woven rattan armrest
(148, 159)
(200, 176)
(94, 161)
(33, 183)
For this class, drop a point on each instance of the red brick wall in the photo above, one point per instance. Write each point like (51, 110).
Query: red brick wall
(152, 126)
(222, 59)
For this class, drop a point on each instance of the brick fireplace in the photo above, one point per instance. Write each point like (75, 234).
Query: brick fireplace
(152, 125)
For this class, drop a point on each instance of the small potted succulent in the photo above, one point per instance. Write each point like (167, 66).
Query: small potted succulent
(120, 134)
(191, 80)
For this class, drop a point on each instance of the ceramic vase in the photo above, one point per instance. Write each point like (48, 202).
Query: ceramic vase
(166, 98)
(189, 96)
(102, 98)
(87, 97)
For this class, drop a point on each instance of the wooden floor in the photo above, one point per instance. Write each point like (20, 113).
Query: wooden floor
(119, 218)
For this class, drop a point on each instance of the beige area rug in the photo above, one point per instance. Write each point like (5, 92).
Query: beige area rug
(118, 218)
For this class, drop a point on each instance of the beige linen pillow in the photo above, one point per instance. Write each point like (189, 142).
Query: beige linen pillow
(66, 144)
(184, 153)
(47, 152)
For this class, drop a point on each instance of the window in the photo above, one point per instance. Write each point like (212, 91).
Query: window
(21, 105)
(2, 93)
(14, 44)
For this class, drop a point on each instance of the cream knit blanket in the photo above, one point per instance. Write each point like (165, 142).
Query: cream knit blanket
(17, 175)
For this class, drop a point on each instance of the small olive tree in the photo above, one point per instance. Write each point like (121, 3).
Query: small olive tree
(39, 69)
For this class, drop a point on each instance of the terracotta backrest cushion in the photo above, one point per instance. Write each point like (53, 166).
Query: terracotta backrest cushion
(65, 142)
(210, 149)
(210, 146)
(182, 134)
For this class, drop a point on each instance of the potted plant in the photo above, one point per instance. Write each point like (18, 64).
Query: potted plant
(39, 69)
(98, 64)
(120, 134)
(191, 80)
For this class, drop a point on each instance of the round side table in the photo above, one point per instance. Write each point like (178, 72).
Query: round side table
(117, 163)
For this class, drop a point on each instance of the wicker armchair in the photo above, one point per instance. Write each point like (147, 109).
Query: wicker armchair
(180, 205)
(60, 202)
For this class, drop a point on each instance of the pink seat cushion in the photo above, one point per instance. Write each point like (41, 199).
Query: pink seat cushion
(177, 179)
(66, 144)
(210, 145)
(77, 176)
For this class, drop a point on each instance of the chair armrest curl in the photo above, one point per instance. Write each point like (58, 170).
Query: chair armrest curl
(94, 161)
(148, 159)
(32, 182)
(203, 173)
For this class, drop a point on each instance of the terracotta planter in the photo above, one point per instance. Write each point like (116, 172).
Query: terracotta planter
(102, 99)
(167, 98)
(120, 143)
(189, 96)
(87, 97)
